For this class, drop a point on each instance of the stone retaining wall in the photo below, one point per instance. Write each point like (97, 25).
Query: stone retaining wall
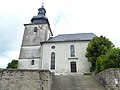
(25, 79)
(109, 78)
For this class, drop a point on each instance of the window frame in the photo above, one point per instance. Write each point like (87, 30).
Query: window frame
(52, 60)
(72, 50)
(53, 47)
(35, 29)
(32, 62)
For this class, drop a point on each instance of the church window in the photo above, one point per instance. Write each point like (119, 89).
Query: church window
(52, 60)
(35, 29)
(53, 47)
(32, 62)
(72, 51)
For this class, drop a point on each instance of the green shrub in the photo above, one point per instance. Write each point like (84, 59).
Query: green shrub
(12, 65)
(110, 60)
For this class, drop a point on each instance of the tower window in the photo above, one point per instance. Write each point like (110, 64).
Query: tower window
(72, 51)
(52, 60)
(35, 29)
(32, 62)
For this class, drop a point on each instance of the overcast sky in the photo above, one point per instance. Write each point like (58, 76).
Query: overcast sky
(101, 17)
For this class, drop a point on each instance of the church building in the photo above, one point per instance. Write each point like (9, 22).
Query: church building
(62, 54)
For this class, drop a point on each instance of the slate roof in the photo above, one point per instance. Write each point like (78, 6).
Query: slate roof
(71, 37)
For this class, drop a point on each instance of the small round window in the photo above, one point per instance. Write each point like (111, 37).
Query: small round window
(53, 47)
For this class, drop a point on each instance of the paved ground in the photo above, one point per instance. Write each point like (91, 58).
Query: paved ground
(75, 82)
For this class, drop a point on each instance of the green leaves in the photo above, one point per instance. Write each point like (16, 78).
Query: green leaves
(110, 60)
(98, 46)
(102, 54)
(12, 65)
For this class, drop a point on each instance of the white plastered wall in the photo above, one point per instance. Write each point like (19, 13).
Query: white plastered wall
(63, 58)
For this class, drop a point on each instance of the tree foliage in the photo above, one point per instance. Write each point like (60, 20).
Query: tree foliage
(110, 60)
(12, 65)
(98, 46)
(100, 63)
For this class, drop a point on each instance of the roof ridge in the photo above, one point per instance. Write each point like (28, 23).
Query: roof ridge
(75, 33)
(72, 37)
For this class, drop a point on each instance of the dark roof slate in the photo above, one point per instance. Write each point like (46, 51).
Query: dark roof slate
(40, 18)
(72, 37)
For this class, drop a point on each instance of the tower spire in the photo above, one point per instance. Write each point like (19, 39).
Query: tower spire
(40, 18)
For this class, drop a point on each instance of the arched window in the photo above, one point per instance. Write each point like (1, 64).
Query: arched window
(52, 60)
(35, 29)
(32, 62)
(72, 51)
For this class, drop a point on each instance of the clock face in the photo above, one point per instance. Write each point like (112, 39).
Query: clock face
(41, 27)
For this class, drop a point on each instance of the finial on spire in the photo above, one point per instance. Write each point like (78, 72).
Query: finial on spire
(43, 3)
(42, 11)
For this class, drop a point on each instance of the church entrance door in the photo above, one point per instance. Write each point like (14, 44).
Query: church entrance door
(73, 67)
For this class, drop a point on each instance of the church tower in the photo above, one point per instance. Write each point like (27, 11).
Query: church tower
(35, 32)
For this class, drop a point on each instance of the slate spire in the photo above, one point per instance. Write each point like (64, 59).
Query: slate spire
(41, 11)
(40, 18)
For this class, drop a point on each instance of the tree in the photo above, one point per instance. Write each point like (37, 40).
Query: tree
(100, 63)
(97, 46)
(12, 65)
(110, 60)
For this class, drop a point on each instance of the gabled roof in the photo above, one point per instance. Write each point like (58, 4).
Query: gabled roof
(71, 37)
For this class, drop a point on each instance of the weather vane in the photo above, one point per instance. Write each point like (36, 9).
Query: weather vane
(43, 2)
